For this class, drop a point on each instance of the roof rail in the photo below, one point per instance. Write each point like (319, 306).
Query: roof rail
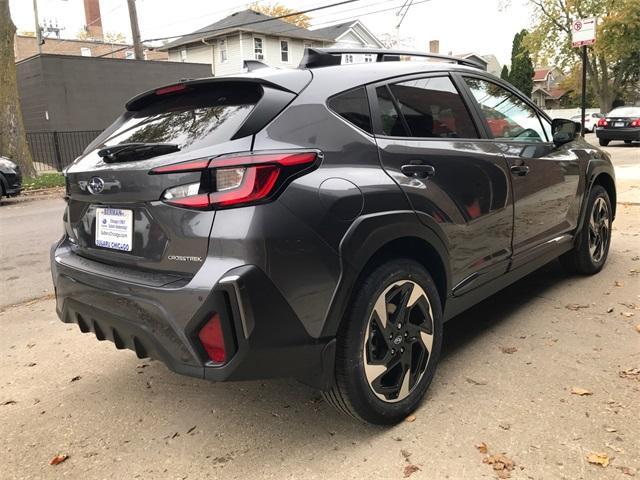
(324, 57)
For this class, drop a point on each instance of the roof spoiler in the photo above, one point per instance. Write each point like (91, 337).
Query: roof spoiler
(325, 57)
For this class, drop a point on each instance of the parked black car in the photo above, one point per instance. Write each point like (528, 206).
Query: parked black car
(622, 123)
(10, 178)
(322, 223)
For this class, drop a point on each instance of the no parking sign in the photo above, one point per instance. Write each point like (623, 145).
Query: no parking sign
(583, 32)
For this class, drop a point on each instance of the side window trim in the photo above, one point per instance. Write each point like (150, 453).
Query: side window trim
(396, 105)
(374, 106)
(512, 91)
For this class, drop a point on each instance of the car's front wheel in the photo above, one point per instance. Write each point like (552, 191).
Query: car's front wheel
(590, 253)
(388, 344)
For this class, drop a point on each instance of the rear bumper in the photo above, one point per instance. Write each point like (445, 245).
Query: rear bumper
(263, 336)
(618, 133)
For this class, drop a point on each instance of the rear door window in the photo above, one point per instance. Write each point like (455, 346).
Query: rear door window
(193, 119)
(353, 106)
(428, 108)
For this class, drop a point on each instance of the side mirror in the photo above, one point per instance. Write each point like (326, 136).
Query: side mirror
(564, 130)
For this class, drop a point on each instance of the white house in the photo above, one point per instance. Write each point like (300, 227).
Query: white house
(250, 35)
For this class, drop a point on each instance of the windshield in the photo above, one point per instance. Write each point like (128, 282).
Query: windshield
(625, 112)
(192, 120)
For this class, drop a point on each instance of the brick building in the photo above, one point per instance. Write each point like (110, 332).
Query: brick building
(27, 46)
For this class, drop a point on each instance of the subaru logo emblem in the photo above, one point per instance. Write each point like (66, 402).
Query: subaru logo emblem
(95, 185)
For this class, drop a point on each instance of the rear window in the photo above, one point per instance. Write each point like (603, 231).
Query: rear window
(193, 119)
(624, 112)
(353, 106)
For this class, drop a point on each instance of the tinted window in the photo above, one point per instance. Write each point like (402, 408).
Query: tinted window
(353, 106)
(193, 119)
(429, 107)
(389, 117)
(507, 116)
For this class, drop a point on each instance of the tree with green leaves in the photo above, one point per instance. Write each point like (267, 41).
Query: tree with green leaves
(521, 74)
(613, 67)
(13, 142)
(504, 74)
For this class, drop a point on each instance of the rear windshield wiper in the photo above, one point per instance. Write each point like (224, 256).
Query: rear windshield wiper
(126, 152)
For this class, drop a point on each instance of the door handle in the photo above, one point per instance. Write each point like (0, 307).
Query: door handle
(520, 170)
(417, 170)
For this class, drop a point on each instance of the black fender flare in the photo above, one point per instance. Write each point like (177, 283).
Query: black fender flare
(366, 236)
(595, 168)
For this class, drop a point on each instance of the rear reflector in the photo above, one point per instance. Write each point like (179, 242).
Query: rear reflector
(212, 339)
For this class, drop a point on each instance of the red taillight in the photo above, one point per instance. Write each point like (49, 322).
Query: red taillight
(635, 123)
(212, 339)
(602, 122)
(235, 180)
(171, 89)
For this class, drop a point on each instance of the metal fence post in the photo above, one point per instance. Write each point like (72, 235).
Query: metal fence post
(56, 145)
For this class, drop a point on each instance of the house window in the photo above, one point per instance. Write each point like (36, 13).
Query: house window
(284, 51)
(183, 55)
(348, 58)
(129, 55)
(222, 45)
(368, 58)
(258, 48)
(85, 51)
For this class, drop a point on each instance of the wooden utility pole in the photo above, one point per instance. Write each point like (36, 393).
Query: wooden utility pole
(135, 30)
(38, 29)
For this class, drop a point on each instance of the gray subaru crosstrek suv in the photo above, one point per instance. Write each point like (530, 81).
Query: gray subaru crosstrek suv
(322, 222)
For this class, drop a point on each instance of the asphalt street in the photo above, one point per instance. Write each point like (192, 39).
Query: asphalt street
(546, 372)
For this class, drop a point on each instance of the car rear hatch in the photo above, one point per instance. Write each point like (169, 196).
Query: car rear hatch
(115, 215)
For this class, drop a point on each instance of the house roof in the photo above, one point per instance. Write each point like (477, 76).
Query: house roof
(257, 23)
(540, 74)
(334, 31)
(553, 93)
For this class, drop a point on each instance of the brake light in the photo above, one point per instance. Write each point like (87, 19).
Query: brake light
(212, 339)
(602, 122)
(235, 180)
(635, 123)
(171, 89)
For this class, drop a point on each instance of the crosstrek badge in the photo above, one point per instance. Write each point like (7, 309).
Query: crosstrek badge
(184, 258)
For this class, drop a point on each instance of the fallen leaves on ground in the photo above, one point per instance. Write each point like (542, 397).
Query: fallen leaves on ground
(627, 314)
(482, 447)
(501, 464)
(633, 272)
(410, 418)
(633, 373)
(8, 402)
(410, 470)
(627, 471)
(480, 382)
(509, 350)
(598, 458)
(580, 391)
(618, 283)
(58, 459)
(638, 328)
(76, 378)
(575, 306)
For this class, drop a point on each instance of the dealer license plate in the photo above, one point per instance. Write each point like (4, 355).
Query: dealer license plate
(618, 124)
(114, 228)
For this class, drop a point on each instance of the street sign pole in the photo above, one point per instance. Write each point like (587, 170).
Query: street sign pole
(584, 88)
(583, 33)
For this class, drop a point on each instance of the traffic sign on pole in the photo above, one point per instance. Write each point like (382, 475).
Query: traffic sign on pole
(583, 32)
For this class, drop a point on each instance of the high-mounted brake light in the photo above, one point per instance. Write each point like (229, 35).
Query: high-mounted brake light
(171, 89)
(236, 180)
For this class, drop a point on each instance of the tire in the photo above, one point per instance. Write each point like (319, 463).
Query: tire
(361, 342)
(603, 142)
(587, 257)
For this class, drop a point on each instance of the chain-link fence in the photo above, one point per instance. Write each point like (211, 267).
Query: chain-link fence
(53, 151)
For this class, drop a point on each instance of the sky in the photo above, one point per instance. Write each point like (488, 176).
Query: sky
(461, 26)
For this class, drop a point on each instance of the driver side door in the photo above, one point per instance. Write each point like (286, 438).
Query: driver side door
(547, 180)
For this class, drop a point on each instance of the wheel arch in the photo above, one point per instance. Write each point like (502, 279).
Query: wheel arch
(376, 238)
(607, 182)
